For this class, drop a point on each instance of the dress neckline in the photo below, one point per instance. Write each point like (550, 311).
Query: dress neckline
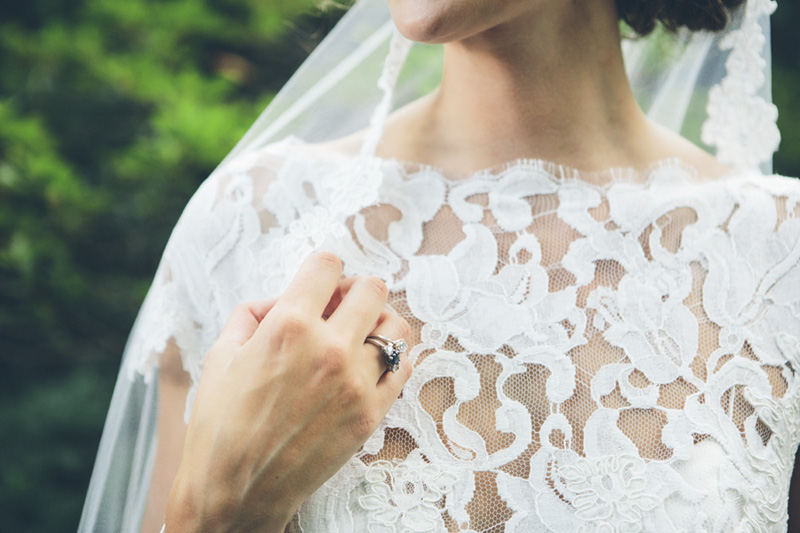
(659, 172)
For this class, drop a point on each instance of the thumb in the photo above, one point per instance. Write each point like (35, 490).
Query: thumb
(244, 321)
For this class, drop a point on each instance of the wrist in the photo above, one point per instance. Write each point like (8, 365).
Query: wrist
(193, 509)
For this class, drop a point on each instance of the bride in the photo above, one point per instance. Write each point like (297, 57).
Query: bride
(602, 319)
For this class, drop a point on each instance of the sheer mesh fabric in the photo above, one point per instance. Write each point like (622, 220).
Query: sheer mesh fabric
(610, 352)
(614, 351)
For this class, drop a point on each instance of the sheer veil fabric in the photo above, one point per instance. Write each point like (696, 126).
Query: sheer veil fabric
(617, 350)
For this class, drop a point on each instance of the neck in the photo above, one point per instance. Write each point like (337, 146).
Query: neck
(548, 84)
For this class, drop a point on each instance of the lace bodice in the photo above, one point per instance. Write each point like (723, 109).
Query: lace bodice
(613, 352)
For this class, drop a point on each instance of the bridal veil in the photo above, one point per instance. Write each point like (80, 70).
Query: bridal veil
(712, 88)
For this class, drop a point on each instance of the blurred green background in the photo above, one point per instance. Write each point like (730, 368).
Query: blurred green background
(111, 114)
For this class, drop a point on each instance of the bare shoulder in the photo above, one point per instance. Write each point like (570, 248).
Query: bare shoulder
(348, 146)
(673, 145)
(709, 168)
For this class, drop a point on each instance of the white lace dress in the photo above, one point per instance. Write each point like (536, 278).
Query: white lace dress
(615, 352)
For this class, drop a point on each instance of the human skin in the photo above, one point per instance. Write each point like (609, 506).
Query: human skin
(528, 79)
(289, 392)
(522, 78)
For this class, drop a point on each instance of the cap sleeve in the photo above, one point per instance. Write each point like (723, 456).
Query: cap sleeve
(211, 263)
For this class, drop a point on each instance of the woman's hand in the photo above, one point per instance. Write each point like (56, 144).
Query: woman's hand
(287, 396)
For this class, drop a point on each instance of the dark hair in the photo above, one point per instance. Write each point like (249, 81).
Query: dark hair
(643, 15)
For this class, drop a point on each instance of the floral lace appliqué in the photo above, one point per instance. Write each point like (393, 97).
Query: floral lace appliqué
(405, 496)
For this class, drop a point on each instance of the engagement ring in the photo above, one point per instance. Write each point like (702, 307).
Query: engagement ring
(390, 349)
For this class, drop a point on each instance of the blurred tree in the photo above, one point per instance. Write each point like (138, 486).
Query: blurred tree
(111, 114)
(786, 87)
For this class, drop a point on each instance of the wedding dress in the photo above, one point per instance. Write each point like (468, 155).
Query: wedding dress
(589, 355)
(617, 351)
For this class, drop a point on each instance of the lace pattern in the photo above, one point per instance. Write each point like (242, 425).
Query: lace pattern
(592, 353)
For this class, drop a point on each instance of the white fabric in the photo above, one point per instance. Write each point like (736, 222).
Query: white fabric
(616, 351)
(595, 353)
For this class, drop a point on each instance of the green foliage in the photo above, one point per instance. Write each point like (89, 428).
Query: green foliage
(111, 114)
(54, 424)
(786, 86)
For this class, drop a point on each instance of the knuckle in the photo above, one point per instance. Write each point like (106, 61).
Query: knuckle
(405, 329)
(364, 424)
(377, 285)
(353, 392)
(293, 323)
(334, 359)
(328, 259)
(331, 366)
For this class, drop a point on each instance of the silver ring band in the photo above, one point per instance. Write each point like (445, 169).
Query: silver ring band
(390, 349)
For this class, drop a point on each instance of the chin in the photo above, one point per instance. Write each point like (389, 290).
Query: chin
(442, 21)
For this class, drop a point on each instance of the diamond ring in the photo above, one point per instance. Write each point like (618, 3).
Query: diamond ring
(391, 350)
